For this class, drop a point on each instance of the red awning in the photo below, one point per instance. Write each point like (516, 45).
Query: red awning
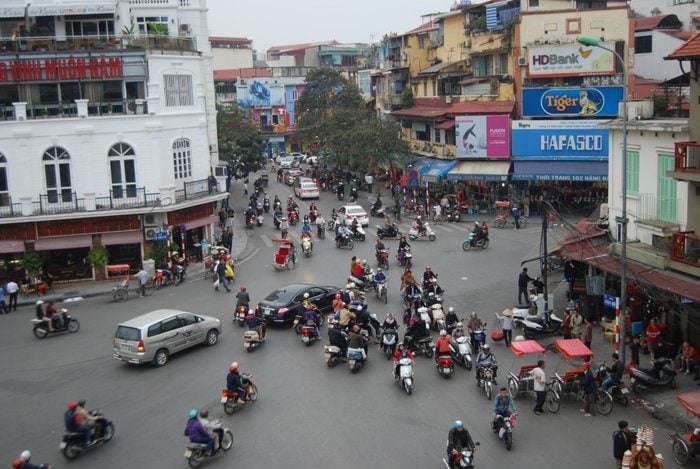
(122, 237)
(446, 125)
(202, 222)
(572, 348)
(63, 242)
(421, 111)
(691, 401)
(524, 347)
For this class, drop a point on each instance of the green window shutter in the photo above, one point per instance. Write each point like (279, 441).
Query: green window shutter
(632, 172)
(666, 190)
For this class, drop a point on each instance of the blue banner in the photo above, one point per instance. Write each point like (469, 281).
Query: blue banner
(610, 301)
(600, 101)
(559, 140)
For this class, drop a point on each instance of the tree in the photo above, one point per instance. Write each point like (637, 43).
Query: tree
(240, 141)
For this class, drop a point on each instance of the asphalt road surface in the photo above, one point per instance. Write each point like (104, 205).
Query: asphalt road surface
(307, 416)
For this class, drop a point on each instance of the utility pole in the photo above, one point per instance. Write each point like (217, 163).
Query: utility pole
(545, 254)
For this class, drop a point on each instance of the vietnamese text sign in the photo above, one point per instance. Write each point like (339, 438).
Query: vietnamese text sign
(93, 68)
(482, 136)
(599, 101)
(557, 139)
(559, 60)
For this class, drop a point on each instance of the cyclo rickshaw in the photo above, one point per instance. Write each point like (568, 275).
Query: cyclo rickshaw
(502, 219)
(286, 256)
(687, 446)
(523, 383)
(569, 385)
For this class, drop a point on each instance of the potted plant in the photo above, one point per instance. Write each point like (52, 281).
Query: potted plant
(98, 257)
(128, 33)
(32, 261)
(159, 30)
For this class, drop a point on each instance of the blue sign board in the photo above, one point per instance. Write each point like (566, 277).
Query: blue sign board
(160, 236)
(559, 140)
(599, 101)
(610, 301)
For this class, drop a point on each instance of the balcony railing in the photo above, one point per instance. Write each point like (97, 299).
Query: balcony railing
(658, 210)
(687, 157)
(9, 209)
(63, 44)
(59, 202)
(275, 129)
(440, 150)
(129, 198)
(196, 189)
(69, 109)
(686, 248)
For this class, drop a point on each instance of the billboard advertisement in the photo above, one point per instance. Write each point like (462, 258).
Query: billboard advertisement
(258, 93)
(601, 101)
(560, 140)
(482, 136)
(561, 60)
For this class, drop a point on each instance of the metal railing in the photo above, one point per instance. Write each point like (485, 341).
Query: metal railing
(687, 156)
(70, 109)
(129, 198)
(59, 202)
(8, 209)
(116, 42)
(686, 248)
(657, 209)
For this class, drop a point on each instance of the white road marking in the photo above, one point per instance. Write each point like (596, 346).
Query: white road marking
(266, 240)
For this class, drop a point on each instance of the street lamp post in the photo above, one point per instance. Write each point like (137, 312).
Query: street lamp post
(593, 42)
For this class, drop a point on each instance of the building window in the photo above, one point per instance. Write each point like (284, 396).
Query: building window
(182, 158)
(178, 90)
(101, 27)
(421, 42)
(149, 24)
(482, 65)
(501, 64)
(434, 82)
(533, 3)
(4, 188)
(295, 94)
(666, 190)
(642, 45)
(632, 172)
(122, 169)
(573, 26)
(586, 4)
(57, 174)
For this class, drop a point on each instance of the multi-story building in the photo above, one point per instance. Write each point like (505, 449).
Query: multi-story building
(686, 10)
(108, 131)
(231, 52)
(654, 38)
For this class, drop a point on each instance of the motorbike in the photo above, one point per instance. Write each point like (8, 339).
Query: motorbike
(438, 323)
(462, 354)
(464, 459)
(355, 359)
(68, 324)
(391, 232)
(405, 258)
(333, 355)
(486, 381)
(406, 375)
(321, 231)
(73, 443)
(230, 400)
(358, 233)
(259, 220)
(533, 327)
(249, 221)
(252, 340)
(381, 291)
(306, 246)
(413, 233)
(660, 375)
(618, 391)
(239, 315)
(445, 365)
(383, 259)
(479, 339)
(454, 215)
(179, 274)
(161, 279)
(340, 193)
(472, 242)
(344, 242)
(423, 345)
(308, 334)
(503, 427)
(266, 206)
(195, 453)
(293, 217)
(377, 212)
(390, 338)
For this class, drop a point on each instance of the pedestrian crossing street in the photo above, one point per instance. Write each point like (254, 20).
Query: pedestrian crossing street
(370, 231)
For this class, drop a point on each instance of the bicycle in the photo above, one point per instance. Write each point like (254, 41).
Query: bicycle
(502, 220)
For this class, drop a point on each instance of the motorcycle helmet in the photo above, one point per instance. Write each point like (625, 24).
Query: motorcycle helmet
(450, 309)
(39, 302)
(72, 405)
(347, 287)
(355, 328)
(458, 325)
(476, 223)
(458, 424)
(427, 267)
(204, 413)
(193, 414)
(243, 288)
(473, 314)
(233, 368)
(364, 261)
(306, 296)
(443, 332)
(379, 270)
(81, 403)
(586, 365)
(352, 285)
(486, 348)
(431, 295)
(63, 311)
(26, 455)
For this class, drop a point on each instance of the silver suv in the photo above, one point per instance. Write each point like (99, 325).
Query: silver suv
(154, 336)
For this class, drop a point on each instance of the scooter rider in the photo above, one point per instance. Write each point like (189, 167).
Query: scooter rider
(234, 382)
(320, 224)
(416, 331)
(401, 352)
(377, 205)
(442, 346)
(485, 359)
(22, 462)
(356, 342)
(428, 276)
(503, 405)
(457, 439)
(74, 424)
(379, 276)
(212, 427)
(378, 247)
(255, 323)
(451, 319)
(615, 372)
(458, 331)
(419, 225)
(474, 324)
(243, 298)
(197, 433)
(337, 337)
(478, 232)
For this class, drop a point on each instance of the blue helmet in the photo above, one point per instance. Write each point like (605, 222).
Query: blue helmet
(193, 413)
(458, 424)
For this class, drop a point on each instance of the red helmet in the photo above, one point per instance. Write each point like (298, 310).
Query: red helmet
(243, 288)
(233, 368)
(355, 328)
(72, 405)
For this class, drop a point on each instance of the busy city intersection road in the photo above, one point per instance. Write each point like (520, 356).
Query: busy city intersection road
(307, 415)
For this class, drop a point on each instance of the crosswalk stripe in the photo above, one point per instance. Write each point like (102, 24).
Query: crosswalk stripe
(266, 240)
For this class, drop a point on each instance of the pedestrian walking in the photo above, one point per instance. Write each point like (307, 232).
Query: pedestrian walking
(515, 211)
(506, 320)
(587, 333)
(566, 325)
(221, 277)
(622, 441)
(539, 386)
(589, 390)
(142, 277)
(576, 324)
(635, 345)
(653, 334)
(12, 291)
(284, 227)
(523, 280)
(3, 304)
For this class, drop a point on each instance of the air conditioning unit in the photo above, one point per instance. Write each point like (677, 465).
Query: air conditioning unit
(468, 63)
(151, 232)
(185, 29)
(468, 43)
(448, 99)
(522, 61)
(157, 219)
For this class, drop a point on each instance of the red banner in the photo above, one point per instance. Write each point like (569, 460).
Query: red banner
(95, 68)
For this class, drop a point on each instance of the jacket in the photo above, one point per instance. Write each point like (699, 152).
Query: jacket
(459, 439)
(70, 421)
(196, 431)
(233, 382)
(337, 304)
(417, 330)
(523, 279)
(588, 382)
(242, 298)
(503, 403)
(345, 316)
(355, 340)
(622, 441)
(442, 346)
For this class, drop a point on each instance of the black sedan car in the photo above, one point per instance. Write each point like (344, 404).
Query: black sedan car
(283, 304)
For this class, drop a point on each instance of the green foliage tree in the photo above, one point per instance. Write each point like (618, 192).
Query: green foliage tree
(32, 261)
(407, 97)
(98, 257)
(240, 141)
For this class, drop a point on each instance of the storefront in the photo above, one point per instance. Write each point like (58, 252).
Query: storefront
(479, 184)
(189, 227)
(11, 252)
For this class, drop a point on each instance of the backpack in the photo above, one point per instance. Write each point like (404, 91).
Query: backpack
(345, 296)
(39, 312)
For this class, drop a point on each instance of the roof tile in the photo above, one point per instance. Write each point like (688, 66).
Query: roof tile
(690, 49)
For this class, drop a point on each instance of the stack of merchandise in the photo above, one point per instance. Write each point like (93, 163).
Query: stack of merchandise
(642, 455)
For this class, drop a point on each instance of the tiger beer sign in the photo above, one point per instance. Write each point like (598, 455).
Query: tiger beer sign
(601, 101)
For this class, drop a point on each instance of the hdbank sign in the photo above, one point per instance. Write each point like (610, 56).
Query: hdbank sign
(559, 140)
(565, 102)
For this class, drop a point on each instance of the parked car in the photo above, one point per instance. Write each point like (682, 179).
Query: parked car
(283, 304)
(298, 156)
(305, 188)
(347, 213)
(311, 159)
(285, 162)
(154, 336)
(290, 175)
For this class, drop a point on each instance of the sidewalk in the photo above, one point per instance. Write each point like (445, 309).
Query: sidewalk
(74, 291)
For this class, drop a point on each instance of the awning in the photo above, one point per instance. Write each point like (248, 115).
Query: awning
(202, 222)
(122, 237)
(524, 347)
(480, 171)
(14, 245)
(446, 125)
(572, 348)
(437, 169)
(86, 8)
(63, 242)
(421, 165)
(591, 171)
(436, 68)
(12, 12)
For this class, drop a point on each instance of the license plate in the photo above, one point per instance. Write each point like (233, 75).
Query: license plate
(351, 362)
(446, 370)
(188, 453)
(304, 339)
(625, 391)
(224, 399)
(267, 312)
(124, 348)
(62, 445)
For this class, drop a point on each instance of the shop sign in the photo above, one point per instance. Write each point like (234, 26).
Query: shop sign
(610, 301)
(565, 140)
(160, 236)
(561, 60)
(482, 136)
(578, 101)
(70, 68)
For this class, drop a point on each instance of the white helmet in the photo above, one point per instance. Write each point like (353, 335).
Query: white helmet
(422, 309)
(486, 348)
(306, 295)
(349, 285)
(25, 455)
(451, 309)
(473, 314)
(431, 294)
(352, 285)
(443, 332)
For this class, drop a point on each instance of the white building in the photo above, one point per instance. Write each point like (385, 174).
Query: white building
(654, 38)
(231, 52)
(107, 129)
(686, 10)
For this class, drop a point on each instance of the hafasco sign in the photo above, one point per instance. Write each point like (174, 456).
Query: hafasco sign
(581, 101)
(93, 68)
(567, 140)
(570, 60)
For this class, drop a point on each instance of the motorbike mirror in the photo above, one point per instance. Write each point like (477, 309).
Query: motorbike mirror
(477, 443)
